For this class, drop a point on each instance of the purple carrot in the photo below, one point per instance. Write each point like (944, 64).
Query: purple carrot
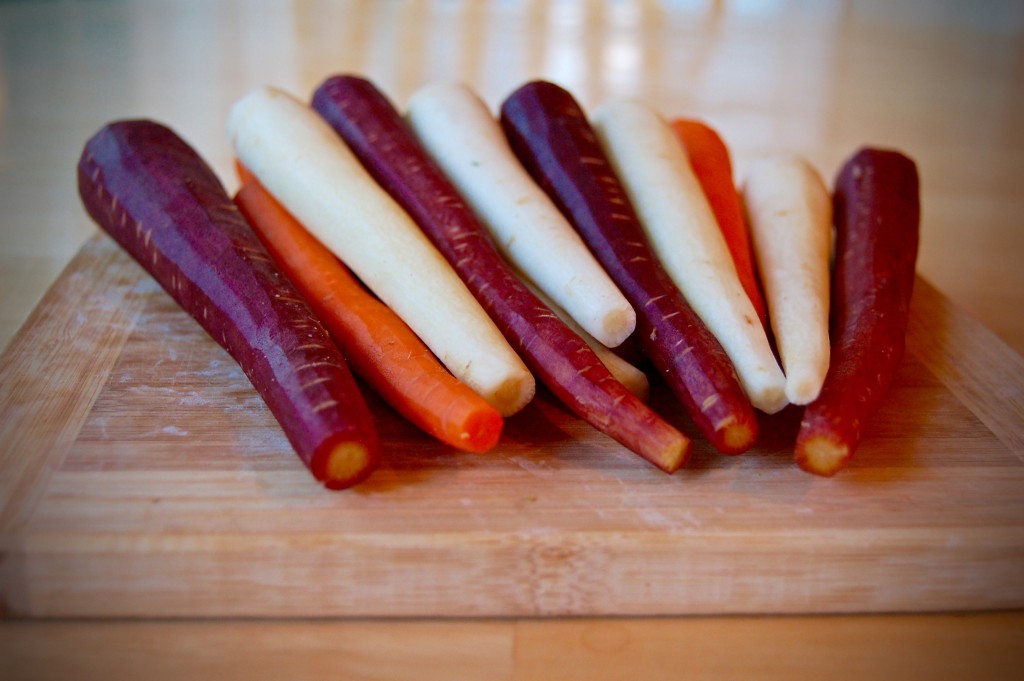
(877, 215)
(162, 203)
(378, 135)
(550, 134)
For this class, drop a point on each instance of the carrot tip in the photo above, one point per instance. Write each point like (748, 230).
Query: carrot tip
(673, 459)
(735, 437)
(347, 461)
(822, 455)
(512, 395)
(482, 433)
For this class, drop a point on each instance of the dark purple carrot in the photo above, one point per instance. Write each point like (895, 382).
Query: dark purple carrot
(160, 201)
(553, 139)
(877, 216)
(378, 135)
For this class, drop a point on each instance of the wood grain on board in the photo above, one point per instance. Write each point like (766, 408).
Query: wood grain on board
(140, 475)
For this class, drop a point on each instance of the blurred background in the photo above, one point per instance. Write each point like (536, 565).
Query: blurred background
(941, 80)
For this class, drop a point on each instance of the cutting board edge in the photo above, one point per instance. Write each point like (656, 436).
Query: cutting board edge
(41, 414)
(969, 359)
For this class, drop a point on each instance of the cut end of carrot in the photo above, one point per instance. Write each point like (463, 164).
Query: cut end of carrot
(617, 326)
(482, 432)
(735, 437)
(822, 455)
(513, 394)
(771, 397)
(673, 457)
(803, 391)
(346, 464)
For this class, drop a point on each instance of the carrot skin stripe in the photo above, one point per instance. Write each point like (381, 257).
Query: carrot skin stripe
(378, 135)
(709, 157)
(877, 216)
(158, 199)
(381, 348)
(552, 137)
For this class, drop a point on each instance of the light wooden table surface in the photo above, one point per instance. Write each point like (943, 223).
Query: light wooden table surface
(942, 81)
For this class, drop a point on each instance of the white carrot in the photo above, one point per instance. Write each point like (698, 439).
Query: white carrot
(790, 215)
(302, 162)
(458, 130)
(681, 227)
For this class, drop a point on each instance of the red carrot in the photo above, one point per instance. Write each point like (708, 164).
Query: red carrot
(381, 348)
(877, 214)
(378, 135)
(161, 202)
(553, 139)
(709, 157)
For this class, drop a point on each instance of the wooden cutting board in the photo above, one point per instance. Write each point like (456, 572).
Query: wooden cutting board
(140, 475)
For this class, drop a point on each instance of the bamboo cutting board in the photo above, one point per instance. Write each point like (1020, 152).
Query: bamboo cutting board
(140, 475)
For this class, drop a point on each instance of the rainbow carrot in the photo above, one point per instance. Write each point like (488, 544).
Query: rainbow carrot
(877, 209)
(382, 349)
(550, 134)
(377, 134)
(305, 166)
(709, 157)
(159, 199)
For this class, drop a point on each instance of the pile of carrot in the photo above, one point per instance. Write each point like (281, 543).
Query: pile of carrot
(380, 346)
(557, 236)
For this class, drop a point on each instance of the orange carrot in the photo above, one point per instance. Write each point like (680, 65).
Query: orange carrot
(382, 349)
(245, 175)
(711, 164)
